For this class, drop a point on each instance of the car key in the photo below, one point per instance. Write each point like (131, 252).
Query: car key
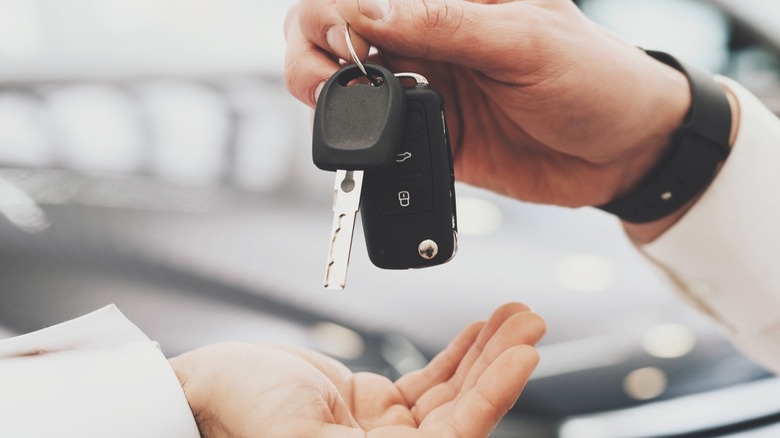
(408, 213)
(357, 127)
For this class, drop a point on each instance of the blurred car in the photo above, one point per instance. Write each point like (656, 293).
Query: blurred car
(153, 159)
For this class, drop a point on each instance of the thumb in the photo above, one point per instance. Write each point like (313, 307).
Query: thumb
(471, 34)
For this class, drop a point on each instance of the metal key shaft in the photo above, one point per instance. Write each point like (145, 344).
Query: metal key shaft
(346, 204)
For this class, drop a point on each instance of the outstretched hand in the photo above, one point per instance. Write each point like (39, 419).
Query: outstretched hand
(250, 390)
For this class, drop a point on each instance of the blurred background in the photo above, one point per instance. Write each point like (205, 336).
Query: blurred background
(150, 156)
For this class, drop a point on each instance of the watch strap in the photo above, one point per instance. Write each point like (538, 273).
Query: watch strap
(697, 149)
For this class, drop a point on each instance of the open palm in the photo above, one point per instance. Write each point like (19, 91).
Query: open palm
(250, 390)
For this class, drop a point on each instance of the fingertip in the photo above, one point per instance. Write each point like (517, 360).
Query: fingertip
(306, 82)
(506, 311)
(407, 27)
(512, 307)
(468, 334)
(497, 319)
(337, 42)
(524, 328)
(375, 9)
(306, 68)
(524, 356)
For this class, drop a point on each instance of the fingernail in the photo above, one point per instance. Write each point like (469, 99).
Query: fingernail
(337, 41)
(375, 9)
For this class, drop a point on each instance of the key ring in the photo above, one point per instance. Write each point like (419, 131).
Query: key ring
(375, 80)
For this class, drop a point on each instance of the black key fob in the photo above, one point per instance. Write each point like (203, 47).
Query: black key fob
(408, 210)
(358, 126)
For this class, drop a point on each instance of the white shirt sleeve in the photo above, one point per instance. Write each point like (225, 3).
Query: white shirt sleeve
(724, 254)
(94, 376)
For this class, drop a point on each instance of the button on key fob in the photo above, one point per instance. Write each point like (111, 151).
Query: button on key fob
(408, 210)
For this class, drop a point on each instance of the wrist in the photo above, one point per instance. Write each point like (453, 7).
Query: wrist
(697, 150)
(648, 232)
(197, 383)
(665, 102)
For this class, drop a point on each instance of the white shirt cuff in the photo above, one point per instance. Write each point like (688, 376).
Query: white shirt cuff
(723, 254)
(94, 376)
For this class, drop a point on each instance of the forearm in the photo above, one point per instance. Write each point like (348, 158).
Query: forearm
(722, 254)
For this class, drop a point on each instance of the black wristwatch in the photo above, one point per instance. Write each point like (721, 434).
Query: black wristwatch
(698, 148)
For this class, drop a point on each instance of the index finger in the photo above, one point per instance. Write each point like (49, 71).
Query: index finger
(479, 410)
(321, 23)
(306, 65)
(454, 364)
(440, 369)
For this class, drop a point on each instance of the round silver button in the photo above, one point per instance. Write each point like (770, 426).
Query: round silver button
(428, 249)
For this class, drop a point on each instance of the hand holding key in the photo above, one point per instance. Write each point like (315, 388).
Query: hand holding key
(543, 104)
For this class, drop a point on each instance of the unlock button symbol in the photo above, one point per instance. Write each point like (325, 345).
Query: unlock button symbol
(404, 198)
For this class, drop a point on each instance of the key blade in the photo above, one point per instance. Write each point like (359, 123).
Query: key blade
(346, 203)
(340, 249)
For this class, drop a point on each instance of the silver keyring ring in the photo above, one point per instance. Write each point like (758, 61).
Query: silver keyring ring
(355, 59)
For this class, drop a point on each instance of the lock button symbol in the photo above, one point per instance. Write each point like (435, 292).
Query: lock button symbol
(395, 196)
(404, 198)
